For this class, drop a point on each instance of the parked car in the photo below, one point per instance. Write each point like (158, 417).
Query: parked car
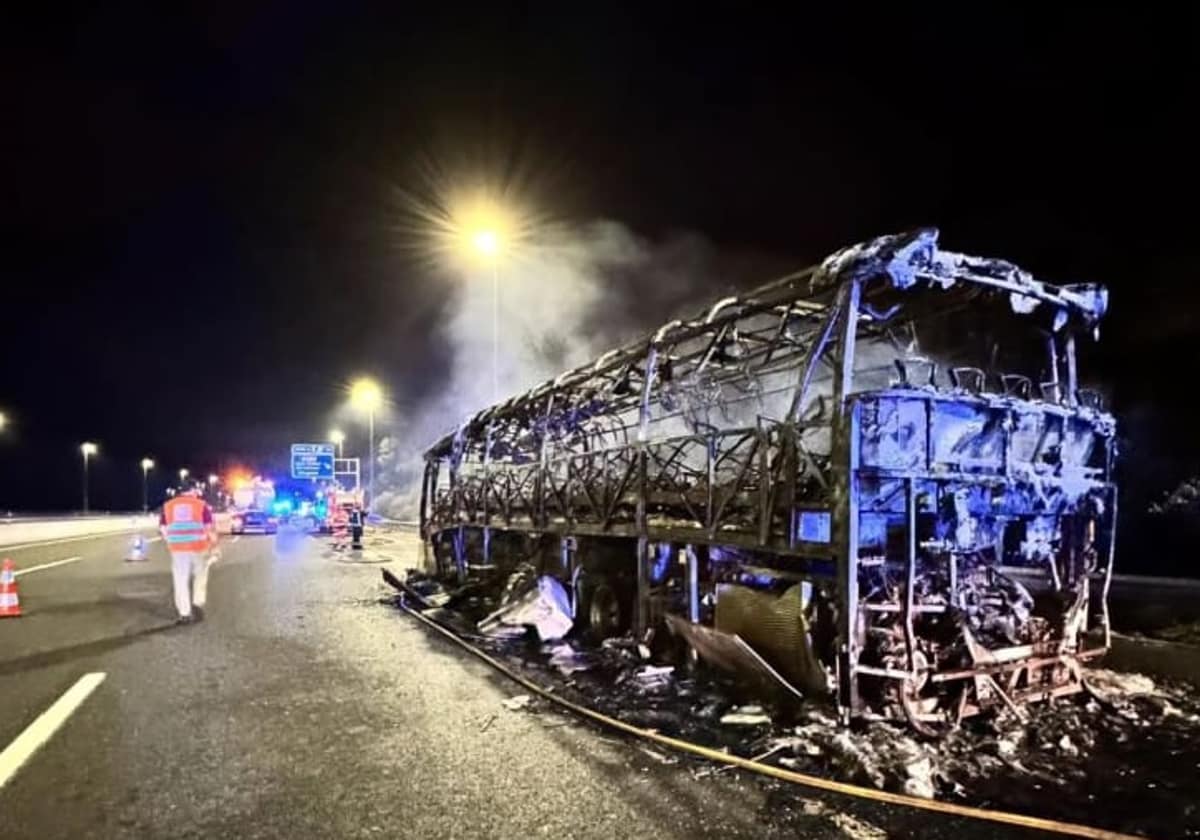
(254, 522)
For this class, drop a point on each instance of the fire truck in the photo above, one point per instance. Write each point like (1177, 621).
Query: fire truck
(333, 498)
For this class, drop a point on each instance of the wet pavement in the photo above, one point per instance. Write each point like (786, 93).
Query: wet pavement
(305, 706)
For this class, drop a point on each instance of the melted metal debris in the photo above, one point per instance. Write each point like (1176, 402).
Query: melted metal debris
(1126, 755)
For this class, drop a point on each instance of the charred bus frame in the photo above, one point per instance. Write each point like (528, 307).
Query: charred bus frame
(900, 505)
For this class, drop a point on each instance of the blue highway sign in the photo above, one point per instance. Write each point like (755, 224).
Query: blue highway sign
(312, 460)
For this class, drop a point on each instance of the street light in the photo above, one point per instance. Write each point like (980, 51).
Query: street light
(3, 420)
(88, 449)
(147, 465)
(367, 397)
(488, 242)
(213, 478)
(338, 437)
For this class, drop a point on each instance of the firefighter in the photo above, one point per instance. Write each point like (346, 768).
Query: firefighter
(341, 522)
(190, 535)
(356, 527)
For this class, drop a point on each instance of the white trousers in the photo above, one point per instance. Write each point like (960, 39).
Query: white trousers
(189, 566)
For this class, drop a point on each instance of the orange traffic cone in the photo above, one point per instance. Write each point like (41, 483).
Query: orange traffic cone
(10, 604)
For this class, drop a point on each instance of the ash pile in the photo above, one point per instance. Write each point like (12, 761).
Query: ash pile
(1125, 755)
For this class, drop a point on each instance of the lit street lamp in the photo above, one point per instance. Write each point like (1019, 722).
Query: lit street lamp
(367, 397)
(88, 449)
(488, 242)
(3, 420)
(337, 437)
(147, 465)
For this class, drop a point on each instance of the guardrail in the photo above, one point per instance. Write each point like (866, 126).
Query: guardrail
(32, 530)
(13, 518)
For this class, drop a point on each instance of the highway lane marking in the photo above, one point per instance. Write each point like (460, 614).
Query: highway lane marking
(50, 565)
(48, 722)
(235, 539)
(6, 548)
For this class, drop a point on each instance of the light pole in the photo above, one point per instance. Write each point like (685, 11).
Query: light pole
(88, 449)
(147, 465)
(337, 437)
(487, 242)
(183, 474)
(367, 397)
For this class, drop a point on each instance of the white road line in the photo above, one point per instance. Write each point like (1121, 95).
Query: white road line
(51, 565)
(41, 730)
(235, 539)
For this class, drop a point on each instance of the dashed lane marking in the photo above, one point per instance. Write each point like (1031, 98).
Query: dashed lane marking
(41, 730)
(44, 566)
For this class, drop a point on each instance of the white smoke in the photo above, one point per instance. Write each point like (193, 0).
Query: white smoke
(563, 301)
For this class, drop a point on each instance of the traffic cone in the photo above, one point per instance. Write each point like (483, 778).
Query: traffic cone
(137, 550)
(10, 604)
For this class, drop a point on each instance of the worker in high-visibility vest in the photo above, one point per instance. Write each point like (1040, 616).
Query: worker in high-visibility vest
(341, 528)
(189, 532)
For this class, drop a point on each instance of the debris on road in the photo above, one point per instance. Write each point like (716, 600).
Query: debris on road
(544, 606)
(745, 716)
(653, 678)
(567, 660)
(661, 758)
(520, 701)
(857, 829)
(1138, 729)
(1112, 686)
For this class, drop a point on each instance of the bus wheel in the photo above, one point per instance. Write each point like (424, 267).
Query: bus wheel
(599, 614)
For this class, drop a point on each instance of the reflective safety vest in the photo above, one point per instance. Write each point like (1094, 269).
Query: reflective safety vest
(185, 528)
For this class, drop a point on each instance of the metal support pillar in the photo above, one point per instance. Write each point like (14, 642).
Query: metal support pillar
(1052, 353)
(487, 493)
(460, 553)
(845, 504)
(693, 573)
(641, 620)
(1072, 370)
(910, 581)
(642, 608)
(693, 589)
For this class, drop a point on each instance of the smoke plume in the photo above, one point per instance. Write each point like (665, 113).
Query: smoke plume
(562, 301)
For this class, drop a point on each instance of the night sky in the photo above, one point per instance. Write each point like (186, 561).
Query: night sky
(202, 242)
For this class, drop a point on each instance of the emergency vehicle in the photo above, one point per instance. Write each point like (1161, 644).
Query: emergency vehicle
(252, 508)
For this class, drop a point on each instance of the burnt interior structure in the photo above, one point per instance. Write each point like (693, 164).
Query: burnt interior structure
(835, 482)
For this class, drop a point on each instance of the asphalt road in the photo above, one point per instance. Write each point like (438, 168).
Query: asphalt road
(306, 707)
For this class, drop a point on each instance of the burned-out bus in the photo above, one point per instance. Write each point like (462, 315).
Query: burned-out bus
(879, 479)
